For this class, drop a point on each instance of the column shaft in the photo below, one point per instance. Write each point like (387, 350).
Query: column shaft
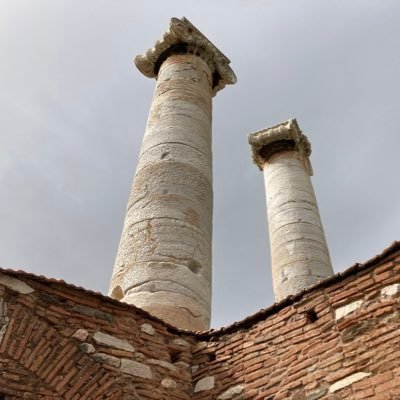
(164, 258)
(299, 252)
(163, 263)
(300, 256)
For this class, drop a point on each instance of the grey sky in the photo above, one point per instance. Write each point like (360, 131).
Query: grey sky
(73, 111)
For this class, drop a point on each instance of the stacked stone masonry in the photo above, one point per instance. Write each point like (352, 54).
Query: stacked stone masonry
(337, 340)
(60, 342)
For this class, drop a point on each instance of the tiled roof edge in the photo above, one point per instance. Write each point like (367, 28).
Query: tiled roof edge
(99, 295)
(243, 324)
(276, 307)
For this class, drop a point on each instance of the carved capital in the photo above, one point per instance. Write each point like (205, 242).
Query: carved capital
(183, 37)
(281, 137)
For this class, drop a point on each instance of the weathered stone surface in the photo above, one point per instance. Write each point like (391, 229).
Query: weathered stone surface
(107, 359)
(139, 356)
(161, 363)
(231, 393)
(179, 153)
(300, 256)
(168, 383)
(176, 307)
(4, 319)
(347, 309)
(92, 311)
(195, 368)
(87, 348)
(178, 191)
(348, 380)
(263, 142)
(206, 383)
(168, 274)
(357, 329)
(299, 394)
(317, 395)
(164, 258)
(181, 342)
(136, 369)
(183, 33)
(111, 341)
(182, 365)
(199, 346)
(15, 284)
(147, 328)
(81, 335)
(390, 290)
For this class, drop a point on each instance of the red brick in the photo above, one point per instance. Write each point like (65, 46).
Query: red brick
(276, 355)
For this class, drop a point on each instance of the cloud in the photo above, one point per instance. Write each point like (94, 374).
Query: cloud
(74, 111)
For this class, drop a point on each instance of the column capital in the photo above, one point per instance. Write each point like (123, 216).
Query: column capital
(281, 137)
(183, 37)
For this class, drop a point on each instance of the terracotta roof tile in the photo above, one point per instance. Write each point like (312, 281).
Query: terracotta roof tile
(243, 324)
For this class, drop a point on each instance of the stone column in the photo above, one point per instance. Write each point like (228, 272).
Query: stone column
(300, 256)
(163, 263)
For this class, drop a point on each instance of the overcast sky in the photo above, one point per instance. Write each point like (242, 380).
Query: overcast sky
(73, 110)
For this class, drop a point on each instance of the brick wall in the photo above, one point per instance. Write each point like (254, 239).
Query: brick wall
(60, 342)
(338, 340)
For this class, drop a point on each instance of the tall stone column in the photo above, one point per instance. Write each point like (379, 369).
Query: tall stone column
(163, 263)
(300, 256)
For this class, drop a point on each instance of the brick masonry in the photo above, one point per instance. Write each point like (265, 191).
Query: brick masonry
(62, 342)
(337, 340)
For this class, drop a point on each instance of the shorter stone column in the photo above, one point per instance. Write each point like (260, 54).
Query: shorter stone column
(300, 256)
